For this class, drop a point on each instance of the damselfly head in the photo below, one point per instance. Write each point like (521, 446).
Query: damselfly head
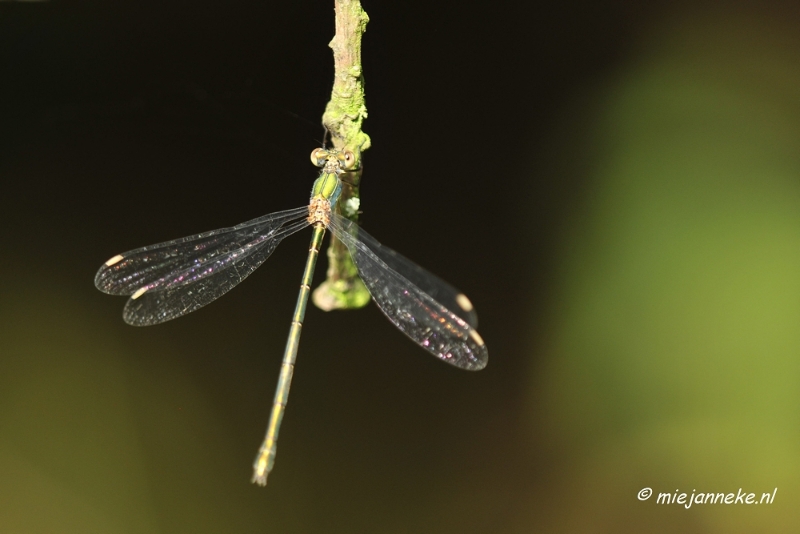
(333, 160)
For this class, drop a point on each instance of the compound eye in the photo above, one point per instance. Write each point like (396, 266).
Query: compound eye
(319, 156)
(349, 160)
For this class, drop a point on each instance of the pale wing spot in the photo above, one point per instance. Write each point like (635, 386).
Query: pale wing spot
(476, 337)
(139, 292)
(115, 259)
(463, 301)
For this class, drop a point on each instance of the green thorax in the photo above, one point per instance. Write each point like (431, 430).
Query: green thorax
(328, 187)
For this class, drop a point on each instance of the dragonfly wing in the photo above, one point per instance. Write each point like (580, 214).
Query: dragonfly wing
(442, 292)
(403, 297)
(174, 278)
(158, 306)
(181, 261)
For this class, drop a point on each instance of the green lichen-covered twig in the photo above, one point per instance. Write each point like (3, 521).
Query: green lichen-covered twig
(343, 117)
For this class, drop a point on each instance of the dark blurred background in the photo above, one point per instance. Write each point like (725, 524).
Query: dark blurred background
(616, 186)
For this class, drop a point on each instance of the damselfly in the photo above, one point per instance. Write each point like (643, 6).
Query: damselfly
(177, 277)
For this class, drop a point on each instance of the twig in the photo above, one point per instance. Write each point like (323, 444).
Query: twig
(343, 117)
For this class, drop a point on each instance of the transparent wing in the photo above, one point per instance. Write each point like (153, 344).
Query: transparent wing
(442, 292)
(174, 278)
(217, 278)
(400, 289)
